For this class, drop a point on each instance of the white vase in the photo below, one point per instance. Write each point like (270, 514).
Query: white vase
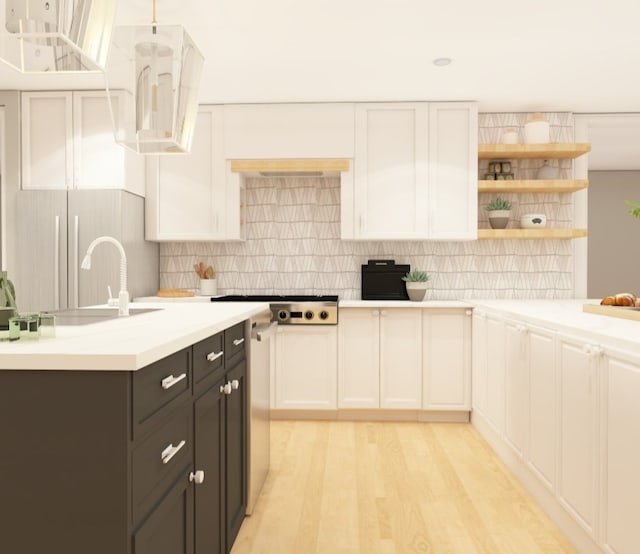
(208, 287)
(416, 290)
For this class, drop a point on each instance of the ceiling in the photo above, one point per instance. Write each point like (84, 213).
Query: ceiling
(549, 55)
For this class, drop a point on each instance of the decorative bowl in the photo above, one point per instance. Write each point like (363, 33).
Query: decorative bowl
(533, 221)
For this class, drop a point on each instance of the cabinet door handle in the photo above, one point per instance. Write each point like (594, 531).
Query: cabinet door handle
(170, 380)
(197, 477)
(170, 451)
(213, 356)
(226, 388)
(235, 384)
(238, 342)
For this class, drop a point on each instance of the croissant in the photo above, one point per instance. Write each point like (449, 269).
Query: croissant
(622, 299)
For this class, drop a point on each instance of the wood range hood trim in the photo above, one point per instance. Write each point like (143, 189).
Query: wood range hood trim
(291, 167)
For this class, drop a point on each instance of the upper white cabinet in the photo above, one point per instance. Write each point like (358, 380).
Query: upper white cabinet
(446, 358)
(68, 143)
(390, 171)
(414, 172)
(194, 197)
(453, 184)
(288, 131)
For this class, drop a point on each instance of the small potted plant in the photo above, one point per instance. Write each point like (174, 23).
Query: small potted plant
(499, 212)
(416, 283)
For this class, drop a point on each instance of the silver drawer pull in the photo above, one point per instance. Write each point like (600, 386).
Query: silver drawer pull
(235, 384)
(213, 356)
(170, 451)
(238, 342)
(226, 388)
(170, 380)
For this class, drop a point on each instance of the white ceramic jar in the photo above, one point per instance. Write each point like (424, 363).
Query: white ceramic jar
(536, 130)
(533, 221)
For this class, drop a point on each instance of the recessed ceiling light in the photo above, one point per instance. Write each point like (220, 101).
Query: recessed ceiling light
(441, 62)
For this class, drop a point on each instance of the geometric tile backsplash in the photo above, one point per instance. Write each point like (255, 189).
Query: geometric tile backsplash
(293, 243)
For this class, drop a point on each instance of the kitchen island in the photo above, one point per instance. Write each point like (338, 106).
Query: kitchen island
(556, 393)
(127, 436)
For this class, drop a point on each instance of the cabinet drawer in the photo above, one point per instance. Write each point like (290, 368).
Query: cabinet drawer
(208, 359)
(163, 383)
(234, 344)
(161, 458)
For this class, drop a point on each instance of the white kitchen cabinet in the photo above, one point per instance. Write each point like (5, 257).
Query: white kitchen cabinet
(543, 404)
(415, 172)
(496, 367)
(380, 360)
(288, 131)
(390, 171)
(194, 197)
(400, 358)
(479, 363)
(359, 358)
(453, 171)
(578, 426)
(620, 452)
(68, 143)
(306, 367)
(516, 389)
(446, 358)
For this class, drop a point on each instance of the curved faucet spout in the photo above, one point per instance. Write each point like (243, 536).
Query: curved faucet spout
(123, 295)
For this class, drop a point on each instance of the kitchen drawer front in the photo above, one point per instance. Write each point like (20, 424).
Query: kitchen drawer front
(160, 459)
(208, 361)
(234, 344)
(164, 383)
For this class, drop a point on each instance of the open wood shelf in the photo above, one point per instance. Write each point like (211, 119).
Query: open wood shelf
(533, 151)
(533, 185)
(531, 233)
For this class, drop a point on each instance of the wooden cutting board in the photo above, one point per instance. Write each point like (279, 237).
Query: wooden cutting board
(174, 293)
(623, 312)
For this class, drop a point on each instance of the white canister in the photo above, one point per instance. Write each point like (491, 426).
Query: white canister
(536, 131)
(208, 287)
(510, 136)
(533, 221)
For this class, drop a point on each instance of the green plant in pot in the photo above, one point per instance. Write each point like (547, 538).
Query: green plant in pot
(416, 283)
(499, 212)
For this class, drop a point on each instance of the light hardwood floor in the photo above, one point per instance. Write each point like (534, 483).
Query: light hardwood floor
(340, 487)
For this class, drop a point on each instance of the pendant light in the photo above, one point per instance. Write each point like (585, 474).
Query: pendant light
(153, 78)
(56, 36)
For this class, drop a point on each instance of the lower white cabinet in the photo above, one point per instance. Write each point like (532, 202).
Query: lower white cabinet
(380, 360)
(578, 426)
(496, 365)
(543, 404)
(516, 390)
(359, 358)
(446, 359)
(306, 370)
(621, 452)
(400, 358)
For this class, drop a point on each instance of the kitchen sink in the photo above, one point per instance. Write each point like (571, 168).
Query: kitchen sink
(85, 316)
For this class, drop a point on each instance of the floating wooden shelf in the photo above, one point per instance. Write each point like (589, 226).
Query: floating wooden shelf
(533, 185)
(533, 151)
(531, 233)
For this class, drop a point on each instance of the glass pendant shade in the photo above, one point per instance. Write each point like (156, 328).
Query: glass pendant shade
(55, 36)
(153, 76)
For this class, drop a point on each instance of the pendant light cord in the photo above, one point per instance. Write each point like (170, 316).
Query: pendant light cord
(154, 21)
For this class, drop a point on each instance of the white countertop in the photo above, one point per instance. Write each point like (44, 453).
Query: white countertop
(566, 316)
(127, 343)
(403, 304)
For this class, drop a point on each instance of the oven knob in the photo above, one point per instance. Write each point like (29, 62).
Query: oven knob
(283, 315)
(324, 314)
(308, 314)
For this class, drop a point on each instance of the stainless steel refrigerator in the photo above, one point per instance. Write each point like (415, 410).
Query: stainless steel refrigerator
(53, 232)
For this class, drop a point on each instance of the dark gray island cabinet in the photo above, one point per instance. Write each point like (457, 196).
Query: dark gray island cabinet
(152, 461)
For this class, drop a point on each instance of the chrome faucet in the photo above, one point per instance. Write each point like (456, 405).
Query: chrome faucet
(123, 295)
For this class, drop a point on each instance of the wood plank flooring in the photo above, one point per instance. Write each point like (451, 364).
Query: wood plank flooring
(341, 487)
